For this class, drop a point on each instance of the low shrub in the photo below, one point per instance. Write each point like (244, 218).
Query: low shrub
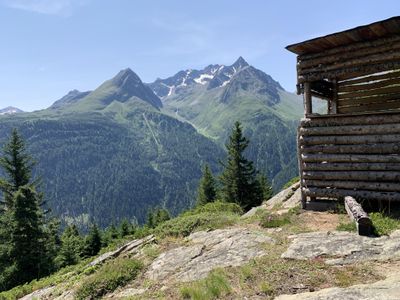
(108, 277)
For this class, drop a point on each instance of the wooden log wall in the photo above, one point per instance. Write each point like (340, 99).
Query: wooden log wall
(379, 92)
(355, 156)
(363, 76)
(350, 61)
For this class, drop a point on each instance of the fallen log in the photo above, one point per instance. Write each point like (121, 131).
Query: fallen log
(358, 215)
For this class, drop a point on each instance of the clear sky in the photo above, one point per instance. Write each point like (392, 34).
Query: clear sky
(49, 47)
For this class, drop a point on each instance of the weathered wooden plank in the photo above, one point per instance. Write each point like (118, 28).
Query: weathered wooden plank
(343, 56)
(350, 166)
(350, 158)
(355, 185)
(367, 100)
(340, 120)
(355, 62)
(368, 86)
(350, 48)
(350, 72)
(368, 93)
(358, 215)
(385, 148)
(392, 105)
(349, 139)
(339, 193)
(382, 176)
(352, 130)
(386, 75)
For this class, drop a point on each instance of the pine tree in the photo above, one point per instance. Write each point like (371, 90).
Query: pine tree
(71, 247)
(17, 165)
(157, 216)
(124, 228)
(207, 191)
(265, 186)
(238, 179)
(92, 241)
(24, 252)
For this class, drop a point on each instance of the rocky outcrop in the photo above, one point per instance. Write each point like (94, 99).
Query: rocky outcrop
(207, 251)
(388, 289)
(344, 247)
(286, 199)
(131, 247)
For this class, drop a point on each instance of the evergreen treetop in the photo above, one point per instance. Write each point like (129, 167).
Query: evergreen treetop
(207, 191)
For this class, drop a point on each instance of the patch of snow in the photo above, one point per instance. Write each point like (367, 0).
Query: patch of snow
(225, 82)
(202, 78)
(170, 91)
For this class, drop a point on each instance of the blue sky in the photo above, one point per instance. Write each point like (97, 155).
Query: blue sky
(49, 47)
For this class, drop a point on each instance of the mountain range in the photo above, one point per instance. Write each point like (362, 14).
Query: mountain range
(127, 146)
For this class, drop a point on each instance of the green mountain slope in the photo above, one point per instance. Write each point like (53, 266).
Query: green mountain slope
(114, 154)
(239, 92)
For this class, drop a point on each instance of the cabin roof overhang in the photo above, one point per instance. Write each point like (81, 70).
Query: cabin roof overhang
(373, 31)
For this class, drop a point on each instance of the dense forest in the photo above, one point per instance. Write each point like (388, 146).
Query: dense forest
(24, 212)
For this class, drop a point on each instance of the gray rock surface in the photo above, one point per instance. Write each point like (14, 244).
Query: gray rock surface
(208, 250)
(39, 294)
(131, 247)
(388, 289)
(286, 199)
(344, 247)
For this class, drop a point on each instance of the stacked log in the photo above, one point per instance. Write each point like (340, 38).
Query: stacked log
(355, 156)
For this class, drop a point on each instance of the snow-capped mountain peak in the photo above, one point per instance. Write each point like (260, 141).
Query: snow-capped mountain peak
(212, 76)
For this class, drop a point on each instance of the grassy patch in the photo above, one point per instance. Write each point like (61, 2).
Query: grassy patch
(210, 216)
(291, 182)
(384, 225)
(108, 277)
(273, 221)
(347, 227)
(215, 285)
(65, 275)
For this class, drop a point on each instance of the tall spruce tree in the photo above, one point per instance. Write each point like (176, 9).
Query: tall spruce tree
(239, 182)
(207, 191)
(24, 251)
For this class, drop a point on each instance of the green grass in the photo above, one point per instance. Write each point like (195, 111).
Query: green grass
(291, 182)
(108, 277)
(384, 225)
(347, 226)
(274, 221)
(64, 275)
(210, 216)
(214, 286)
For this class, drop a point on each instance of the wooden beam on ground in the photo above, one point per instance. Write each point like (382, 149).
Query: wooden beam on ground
(358, 215)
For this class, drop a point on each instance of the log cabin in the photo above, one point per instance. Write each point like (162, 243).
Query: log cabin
(352, 148)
